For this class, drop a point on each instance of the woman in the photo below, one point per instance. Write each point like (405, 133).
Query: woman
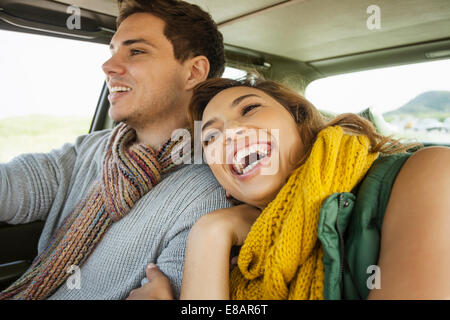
(325, 201)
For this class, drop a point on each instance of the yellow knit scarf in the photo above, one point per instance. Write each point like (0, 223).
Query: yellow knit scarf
(282, 257)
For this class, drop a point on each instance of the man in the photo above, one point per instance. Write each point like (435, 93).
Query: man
(114, 202)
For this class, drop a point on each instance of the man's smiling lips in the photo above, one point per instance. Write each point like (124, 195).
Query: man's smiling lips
(117, 91)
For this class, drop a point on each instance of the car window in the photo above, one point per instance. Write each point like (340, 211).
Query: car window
(410, 102)
(50, 88)
(233, 73)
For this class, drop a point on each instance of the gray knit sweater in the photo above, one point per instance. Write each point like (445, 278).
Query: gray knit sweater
(48, 186)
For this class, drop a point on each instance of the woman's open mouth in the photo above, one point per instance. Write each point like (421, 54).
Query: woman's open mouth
(247, 161)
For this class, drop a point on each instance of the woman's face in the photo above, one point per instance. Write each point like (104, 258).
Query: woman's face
(251, 143)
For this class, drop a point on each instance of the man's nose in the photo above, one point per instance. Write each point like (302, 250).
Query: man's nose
(113, 66)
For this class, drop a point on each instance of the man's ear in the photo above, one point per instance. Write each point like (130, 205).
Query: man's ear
(198, 71)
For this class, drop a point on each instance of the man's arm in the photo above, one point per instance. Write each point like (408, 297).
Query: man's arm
(29, 183)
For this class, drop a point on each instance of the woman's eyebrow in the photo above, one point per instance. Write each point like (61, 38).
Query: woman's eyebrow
(234, 103)
(237, 100)
(209, 123)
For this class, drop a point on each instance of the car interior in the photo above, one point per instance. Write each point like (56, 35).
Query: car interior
(302, 40)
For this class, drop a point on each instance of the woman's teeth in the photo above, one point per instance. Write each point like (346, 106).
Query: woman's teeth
(246, 159)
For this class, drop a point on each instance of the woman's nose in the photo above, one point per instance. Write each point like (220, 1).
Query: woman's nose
(231, 133)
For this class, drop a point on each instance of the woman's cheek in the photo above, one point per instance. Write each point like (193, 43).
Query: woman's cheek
(220, 174)
(213, 155)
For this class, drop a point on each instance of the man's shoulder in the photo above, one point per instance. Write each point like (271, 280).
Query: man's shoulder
(193, 188)
(94, 141)
(196, 179)
(196, 172)
(101, 136)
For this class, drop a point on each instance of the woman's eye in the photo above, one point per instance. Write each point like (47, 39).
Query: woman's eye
(209, 139)
(249, 108)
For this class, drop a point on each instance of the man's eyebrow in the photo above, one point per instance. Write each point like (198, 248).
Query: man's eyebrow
(133, 41)
(208, 123)
(237, 100)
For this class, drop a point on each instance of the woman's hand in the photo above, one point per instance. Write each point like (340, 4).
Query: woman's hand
(157, 288)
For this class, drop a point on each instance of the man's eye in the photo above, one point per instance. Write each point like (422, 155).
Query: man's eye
(249, 108)
(209, 139)
(136, 52)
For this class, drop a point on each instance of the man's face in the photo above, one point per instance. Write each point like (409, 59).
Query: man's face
(145, 80)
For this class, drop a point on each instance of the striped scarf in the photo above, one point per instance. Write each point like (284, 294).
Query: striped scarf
(282, 257)
(130, 170)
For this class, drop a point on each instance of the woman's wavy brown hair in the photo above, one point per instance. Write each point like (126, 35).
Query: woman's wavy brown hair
(310, 120)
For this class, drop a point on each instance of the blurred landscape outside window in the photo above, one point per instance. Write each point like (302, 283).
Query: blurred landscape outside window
(50, 88)
(411, 102)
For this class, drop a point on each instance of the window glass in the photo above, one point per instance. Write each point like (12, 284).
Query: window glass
(410, 102)
(233, 73)
(49, 91)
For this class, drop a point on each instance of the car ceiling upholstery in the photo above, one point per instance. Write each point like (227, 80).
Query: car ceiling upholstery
(309, 30)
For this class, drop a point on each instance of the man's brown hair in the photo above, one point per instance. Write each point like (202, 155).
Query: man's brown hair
(191, 30)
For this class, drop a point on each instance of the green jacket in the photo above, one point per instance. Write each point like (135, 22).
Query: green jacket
(350, 230)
